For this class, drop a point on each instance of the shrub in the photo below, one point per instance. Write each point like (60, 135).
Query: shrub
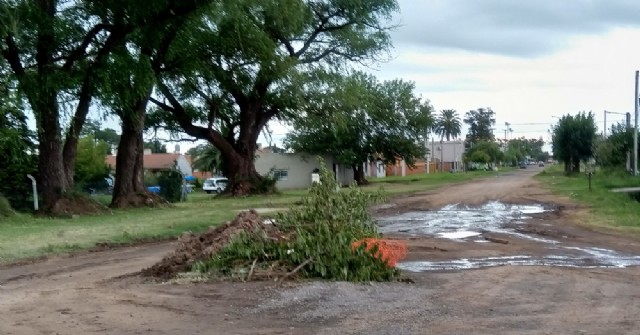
(318, 236)
(170, 183)
(5, 207)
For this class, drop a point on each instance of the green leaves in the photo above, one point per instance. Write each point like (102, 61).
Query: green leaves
(481, 122)
(447, 124)
(322, 230)
(573, 140)
(356, 117)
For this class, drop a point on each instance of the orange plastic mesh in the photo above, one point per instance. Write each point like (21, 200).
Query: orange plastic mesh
(390, 251)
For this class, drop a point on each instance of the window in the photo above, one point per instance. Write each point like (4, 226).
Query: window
(281, 174)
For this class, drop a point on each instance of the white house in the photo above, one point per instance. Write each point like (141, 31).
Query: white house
(293, 170)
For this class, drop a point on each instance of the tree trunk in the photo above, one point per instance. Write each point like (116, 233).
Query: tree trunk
(358, 175)
(242, 174)
(53, 181)
(69, 152)
(576, 166)
(129, 190)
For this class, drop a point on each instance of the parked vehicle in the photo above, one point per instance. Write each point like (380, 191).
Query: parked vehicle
(523, 165)
(541, 164)
(215, 184)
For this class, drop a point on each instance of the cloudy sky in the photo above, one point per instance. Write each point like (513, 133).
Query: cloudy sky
(527, 60)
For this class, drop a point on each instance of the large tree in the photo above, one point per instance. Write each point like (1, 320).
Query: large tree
(481, 122)
(127, 91)
(357, 118)
(57, 51)
(447, 124)
(573, 140)
(247, 57)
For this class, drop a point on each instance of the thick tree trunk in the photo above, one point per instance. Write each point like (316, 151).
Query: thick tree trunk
(243, 177)
(50, 166)
(576, 166)
(129, 190)
(358, 175)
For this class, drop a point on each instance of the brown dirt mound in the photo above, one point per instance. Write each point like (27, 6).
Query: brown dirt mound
(194, 247)
(137, 200)
(76, 205)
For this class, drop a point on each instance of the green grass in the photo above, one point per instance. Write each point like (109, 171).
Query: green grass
(607, 209)
(24, 236)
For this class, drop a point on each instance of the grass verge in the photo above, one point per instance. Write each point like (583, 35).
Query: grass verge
(606, 208)
(24, 236)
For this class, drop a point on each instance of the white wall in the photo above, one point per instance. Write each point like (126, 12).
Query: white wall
(299, 168)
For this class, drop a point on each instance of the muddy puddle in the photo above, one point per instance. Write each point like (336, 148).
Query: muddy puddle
(469, 225)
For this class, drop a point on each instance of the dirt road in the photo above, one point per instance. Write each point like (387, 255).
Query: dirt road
(100, 292)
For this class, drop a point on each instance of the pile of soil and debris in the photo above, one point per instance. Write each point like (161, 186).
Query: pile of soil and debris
(76, 205)
(195, 247)
(141, 199)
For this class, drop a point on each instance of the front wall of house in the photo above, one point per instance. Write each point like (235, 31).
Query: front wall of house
(294, 170)
(183, 166)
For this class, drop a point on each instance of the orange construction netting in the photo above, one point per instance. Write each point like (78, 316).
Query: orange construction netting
(390, 251)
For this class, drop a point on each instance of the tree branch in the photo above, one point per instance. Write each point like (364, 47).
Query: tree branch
(12, 55)
(80, 51)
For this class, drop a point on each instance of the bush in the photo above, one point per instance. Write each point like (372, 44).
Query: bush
(319, 236)
(170, 183)
(5, 207)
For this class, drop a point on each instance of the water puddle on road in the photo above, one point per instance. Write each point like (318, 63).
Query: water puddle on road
(468, 224)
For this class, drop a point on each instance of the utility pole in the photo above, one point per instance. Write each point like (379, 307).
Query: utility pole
(605, 124)
(635, 128)
(426, 146)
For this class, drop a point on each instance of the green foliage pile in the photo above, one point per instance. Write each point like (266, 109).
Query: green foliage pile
(319, 235)
(170, 183)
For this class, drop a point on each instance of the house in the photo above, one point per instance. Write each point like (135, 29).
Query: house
(160, 162)
(447, 155)
(293, 170)
(448, 152)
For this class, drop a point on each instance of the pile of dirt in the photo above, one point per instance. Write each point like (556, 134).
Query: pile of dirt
(140, 199)
(76, 205)
(195, 247)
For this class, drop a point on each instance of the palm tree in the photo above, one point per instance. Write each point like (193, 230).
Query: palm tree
(207, 158)
(448, 124)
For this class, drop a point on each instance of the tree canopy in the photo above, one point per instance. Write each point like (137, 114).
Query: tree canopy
(481, 122)
(447, 124)
(249, 62)
(358, 118)
(57, 52)
(573, 140)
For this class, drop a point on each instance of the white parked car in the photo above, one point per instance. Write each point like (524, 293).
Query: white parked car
(215, 184)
